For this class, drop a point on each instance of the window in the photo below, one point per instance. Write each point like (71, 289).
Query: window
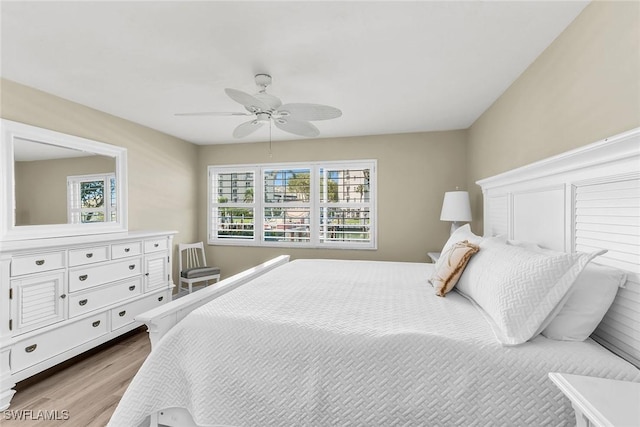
(320, 204)
(91, 198)
(233, 215)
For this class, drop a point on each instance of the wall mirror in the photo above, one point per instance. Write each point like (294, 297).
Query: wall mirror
(56, 185)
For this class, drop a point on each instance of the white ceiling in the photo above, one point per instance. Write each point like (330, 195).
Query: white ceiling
(391, 67)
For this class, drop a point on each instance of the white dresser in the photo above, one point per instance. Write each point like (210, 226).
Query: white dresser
(60, 297)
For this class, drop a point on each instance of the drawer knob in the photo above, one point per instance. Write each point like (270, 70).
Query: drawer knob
(127, 249)
(83, 302)
(96, 324)
(30, 348)
(89, 255)
(160, 298)
(122, 313)
(39, 261)
(155, 245)
(132, 266)
(63, 296)
(132, 288)
(83, 277)
(146, 274)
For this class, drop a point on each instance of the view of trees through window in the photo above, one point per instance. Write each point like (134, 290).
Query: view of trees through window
(91, 198)
(318, 204)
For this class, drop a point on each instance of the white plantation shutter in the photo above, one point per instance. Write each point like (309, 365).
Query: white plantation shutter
(316, 204)
(232, 204)
(345, 205)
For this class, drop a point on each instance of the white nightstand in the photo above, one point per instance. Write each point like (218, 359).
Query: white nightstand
(434, 256)
(601, 402)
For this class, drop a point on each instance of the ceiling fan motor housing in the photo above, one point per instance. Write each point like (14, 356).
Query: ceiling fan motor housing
(263, 80)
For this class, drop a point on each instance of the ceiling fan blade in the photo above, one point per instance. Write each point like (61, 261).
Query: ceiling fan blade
(297, 127)
(246, 128)
(301, 111)
(250, 102)
(205, 113)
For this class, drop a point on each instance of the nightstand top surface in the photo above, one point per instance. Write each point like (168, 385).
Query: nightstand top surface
(606, 402)
(434, 256)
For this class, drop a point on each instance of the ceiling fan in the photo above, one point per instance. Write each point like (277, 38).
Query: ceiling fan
(293, 118)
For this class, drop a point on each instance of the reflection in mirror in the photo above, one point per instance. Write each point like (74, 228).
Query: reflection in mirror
(58, 185)
(91, 198)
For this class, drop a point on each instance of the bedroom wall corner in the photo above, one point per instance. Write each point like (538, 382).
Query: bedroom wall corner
(584, 87)
(161, 175)
(414, 171)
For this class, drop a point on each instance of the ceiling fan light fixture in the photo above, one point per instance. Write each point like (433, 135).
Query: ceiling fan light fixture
(263, 117)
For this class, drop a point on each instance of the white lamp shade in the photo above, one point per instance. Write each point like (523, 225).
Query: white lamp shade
(456, 207)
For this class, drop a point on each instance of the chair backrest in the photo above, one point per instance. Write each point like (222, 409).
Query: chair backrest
(192, 254)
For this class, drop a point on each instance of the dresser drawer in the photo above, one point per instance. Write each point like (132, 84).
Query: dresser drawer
(28, 264)
(39, 348)
(155, 245)
(86, 301)
(122, 250)
(88, 255)
(125, 314)
(89, 276)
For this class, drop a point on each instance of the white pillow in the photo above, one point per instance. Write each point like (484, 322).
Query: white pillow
(534, 247)
(586, 303)
(518, 288)
(461, 234)
(590, 297)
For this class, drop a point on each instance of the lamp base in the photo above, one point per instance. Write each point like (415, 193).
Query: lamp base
(455, 225)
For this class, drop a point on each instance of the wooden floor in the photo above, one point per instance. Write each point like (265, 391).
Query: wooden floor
(88, 387)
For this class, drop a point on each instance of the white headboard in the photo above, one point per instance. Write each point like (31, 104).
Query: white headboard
(581, 200)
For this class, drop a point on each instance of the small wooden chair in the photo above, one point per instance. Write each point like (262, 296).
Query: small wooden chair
(195, 268)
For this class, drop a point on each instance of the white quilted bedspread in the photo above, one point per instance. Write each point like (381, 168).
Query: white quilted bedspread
(354, 343)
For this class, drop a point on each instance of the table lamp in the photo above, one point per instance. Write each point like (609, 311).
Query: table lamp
(456, 208)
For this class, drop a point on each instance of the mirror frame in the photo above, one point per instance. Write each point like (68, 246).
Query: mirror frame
(10, 131)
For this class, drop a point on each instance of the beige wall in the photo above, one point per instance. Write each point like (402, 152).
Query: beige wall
(168, 177)
(584, 87)
(162, 180)
(41, 186)
(414, 171)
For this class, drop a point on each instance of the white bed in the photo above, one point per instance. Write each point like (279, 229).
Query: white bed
(327, 342)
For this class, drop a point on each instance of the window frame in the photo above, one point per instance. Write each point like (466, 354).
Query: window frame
(213, 205)
(74, 206)
(314, 204)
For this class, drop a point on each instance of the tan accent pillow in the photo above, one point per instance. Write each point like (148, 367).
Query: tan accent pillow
(454, 260)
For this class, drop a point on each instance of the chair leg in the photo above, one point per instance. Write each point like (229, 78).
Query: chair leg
(190, 287)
